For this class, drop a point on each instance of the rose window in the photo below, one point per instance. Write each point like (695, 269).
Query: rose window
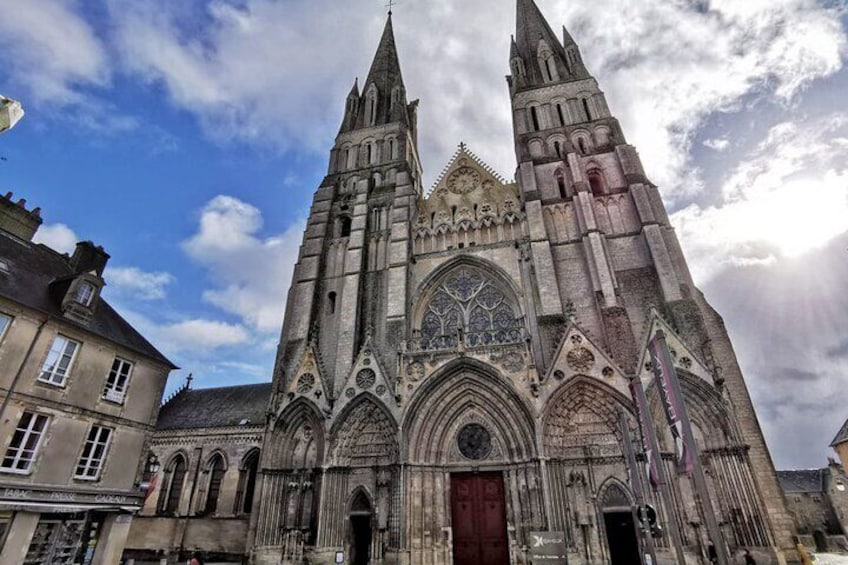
(468, 306)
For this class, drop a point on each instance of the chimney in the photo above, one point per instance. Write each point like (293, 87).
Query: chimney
(88, 257)
(16, 219)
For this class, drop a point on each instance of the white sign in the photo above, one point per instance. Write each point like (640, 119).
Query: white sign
(340, 557)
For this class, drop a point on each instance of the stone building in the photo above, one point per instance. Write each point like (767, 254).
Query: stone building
(817, 499)
(452, 362)
(840, 444)
(80, 390)
(205, 457)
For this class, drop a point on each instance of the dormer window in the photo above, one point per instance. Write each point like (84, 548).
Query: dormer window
(85, 293)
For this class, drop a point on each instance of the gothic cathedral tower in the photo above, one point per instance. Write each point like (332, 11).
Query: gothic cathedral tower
(453, 363)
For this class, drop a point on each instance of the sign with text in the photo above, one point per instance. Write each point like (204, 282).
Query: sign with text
(548, 547)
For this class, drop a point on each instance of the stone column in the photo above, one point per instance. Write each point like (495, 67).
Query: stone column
(112, 538)
(19, 536)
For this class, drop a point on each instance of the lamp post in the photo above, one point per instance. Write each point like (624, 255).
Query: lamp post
(11, 113)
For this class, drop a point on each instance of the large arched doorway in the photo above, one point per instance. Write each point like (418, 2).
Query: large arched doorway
(360, 534)
(471, 468)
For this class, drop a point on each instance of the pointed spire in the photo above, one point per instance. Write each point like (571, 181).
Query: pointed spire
(513, 49)
(567, 40)
(531, 29)
(385, 70)
(354, 91)
(383, 93)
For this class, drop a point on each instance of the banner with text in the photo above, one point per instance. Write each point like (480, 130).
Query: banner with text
(672, 404)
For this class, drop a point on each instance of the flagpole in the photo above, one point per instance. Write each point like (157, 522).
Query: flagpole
(652, 445)
(636, 486)
(701, 492)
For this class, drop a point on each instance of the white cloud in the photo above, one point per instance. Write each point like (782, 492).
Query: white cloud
(202, 335)
(58, 237)
(135, 283)
(50, 49)
(717, 144)
(269, 72)
(788, 196)
(252, 273)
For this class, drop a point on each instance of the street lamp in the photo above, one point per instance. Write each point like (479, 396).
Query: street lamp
(11, 113)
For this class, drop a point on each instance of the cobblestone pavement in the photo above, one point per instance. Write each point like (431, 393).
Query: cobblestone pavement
(831, 559)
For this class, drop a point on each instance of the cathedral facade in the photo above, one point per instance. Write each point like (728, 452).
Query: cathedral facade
(453, 364)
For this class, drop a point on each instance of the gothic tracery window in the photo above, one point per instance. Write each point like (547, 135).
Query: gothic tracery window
(469, 306)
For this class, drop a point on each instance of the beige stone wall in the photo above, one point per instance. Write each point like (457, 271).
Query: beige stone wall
(192, 528)
(78, 404)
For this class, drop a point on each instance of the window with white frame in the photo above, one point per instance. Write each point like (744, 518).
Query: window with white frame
(118, 380)
(5, 322)
(58, 361)
(93, 453)
(24, 445)
(85, 293)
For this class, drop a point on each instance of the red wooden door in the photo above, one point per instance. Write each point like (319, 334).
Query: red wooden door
(478, 512)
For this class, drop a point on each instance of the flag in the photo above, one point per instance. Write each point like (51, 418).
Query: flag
(672, 403)
(645, 429)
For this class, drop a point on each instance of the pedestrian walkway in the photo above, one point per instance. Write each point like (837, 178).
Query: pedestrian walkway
(830, 559)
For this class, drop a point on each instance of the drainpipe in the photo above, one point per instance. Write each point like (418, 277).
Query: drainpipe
(21, 368)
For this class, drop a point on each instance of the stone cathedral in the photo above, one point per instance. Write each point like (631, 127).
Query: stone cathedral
(453, 360)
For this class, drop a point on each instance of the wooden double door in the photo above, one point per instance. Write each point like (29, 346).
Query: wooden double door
(478, 517)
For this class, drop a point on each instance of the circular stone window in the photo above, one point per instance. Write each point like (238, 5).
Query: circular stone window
(365, 378)
(474, 441)
(305, 383)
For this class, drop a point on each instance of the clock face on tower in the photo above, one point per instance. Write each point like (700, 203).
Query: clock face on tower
(474, 441)
(463, 180)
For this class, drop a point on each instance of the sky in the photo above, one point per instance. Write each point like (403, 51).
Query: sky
(188, 137)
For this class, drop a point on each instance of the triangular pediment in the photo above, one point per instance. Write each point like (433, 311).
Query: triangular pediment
(367, 377)
(578, 355)
(684, 357)
(470, 191)
(307, 382)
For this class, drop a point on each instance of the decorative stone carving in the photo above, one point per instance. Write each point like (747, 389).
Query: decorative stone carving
(474, 441)
(607, 372)
(305, 383)
(350, 393)
(365, 379)
(415, 371)
(380, 390)
(463, 180)
(580, 359)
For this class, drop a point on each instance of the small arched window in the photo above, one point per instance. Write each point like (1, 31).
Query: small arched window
(534, 116)
(596, 182)
(582, 144)
(331, 303)
(560, 114)
(558, 149)
(216, 475)
(392, 149)
(586, 109)
(561, 185)
(169, 500)
(344, 226)
(246, 483)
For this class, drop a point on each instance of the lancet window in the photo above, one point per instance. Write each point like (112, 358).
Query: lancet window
(469, 308)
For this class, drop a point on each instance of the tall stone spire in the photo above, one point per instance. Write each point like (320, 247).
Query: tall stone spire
(545, 59)
(384, 94)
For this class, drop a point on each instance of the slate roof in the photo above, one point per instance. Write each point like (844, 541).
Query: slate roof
(35, 278)
(216, 407)
(842, 436)
(802, 480)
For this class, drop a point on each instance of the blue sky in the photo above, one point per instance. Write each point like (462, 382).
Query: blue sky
(187, 139)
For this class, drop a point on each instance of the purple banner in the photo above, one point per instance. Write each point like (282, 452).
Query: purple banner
(638, 395)
(672, 405)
